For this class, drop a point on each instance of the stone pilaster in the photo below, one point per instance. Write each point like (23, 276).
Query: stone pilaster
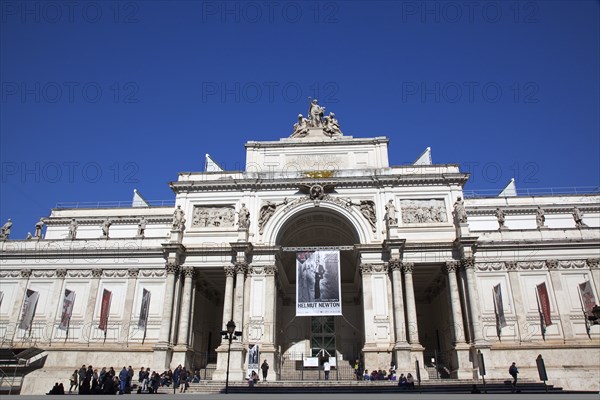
(517, 298)
(165, 328)
(564, 307)
(132, 274)
(91, 305)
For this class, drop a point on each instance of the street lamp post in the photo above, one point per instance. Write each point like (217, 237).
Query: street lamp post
(229, 334)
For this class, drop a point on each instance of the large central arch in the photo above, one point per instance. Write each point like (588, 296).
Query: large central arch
(325, 225)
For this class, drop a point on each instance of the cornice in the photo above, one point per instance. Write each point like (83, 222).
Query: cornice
(257, 183)
(115, 220)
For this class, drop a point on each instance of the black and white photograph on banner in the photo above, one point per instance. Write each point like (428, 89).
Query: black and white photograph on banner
(67, 312)
(253, 359)
(318, 283)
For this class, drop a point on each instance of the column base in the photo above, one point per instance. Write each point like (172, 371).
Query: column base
(464, 369)
(162, 356)
(183, 355)
(236, 363)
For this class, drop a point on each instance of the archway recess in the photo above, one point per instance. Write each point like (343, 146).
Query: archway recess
(320, 227)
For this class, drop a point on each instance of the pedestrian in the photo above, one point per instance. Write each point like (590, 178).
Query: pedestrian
(326, 369)
(265, 370)
(356, 370)
(513, 371)
(123, 380)
(73, 380)
(183, 377)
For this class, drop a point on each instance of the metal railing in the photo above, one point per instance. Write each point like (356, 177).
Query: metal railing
(554, 191)
(291, 368)
(114, 204)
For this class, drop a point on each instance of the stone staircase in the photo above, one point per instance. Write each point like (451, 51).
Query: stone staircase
(332, 386)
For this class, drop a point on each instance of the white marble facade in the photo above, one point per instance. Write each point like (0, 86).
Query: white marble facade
(411, 285)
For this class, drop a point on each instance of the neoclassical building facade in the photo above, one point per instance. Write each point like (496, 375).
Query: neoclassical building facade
(419, 266)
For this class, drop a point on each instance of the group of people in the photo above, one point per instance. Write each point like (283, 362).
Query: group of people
(88, 380)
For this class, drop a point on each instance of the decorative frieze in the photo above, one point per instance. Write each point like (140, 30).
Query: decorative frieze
(153, 273)
(490, 266)
(116, 273)
(74, 273)
(10, 273)
(530, 265)
(43, 273)
(213, 216)
(573, 264)
(373, 268)
(423, 211)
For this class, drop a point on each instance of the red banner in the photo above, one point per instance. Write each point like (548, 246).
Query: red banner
(105, 310)
(544, 303)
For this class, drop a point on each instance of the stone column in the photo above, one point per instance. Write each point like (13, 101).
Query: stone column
(91, 305)
(469, 265)
(517, 298)
(411, 307)
(184, 319)
(270, 303)
(564, 307)
(461, 348)
(132, 274)
(228, 298)
(238, 300)
(457, 317)
(399, 319)
(165, 327)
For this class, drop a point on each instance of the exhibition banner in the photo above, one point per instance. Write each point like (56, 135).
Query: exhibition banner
(67, 311)
(29, 305)
(105, 310)
(318, 284)
(499, 307)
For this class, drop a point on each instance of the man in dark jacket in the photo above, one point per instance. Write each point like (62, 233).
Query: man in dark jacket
(513, 371)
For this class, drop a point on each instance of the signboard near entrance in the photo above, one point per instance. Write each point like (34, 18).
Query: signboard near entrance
(318, 285)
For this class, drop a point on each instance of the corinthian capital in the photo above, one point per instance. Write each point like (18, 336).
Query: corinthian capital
(452, 266)
(468, 263)
(408, 267)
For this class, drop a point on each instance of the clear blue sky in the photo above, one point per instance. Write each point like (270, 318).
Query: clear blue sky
(101, 97)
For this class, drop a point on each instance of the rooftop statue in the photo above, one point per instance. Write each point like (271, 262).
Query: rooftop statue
(316, 112)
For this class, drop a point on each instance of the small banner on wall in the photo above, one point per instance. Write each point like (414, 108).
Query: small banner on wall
(67, 311)
(29, 305)
(253, 358)
(318, 285)
(544, 303)
(499, 307)
(105, 310)
(145, 308)
(587, 298)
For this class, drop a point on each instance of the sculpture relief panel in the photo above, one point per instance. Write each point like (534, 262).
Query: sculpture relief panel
(423, 211)
(213, 216)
